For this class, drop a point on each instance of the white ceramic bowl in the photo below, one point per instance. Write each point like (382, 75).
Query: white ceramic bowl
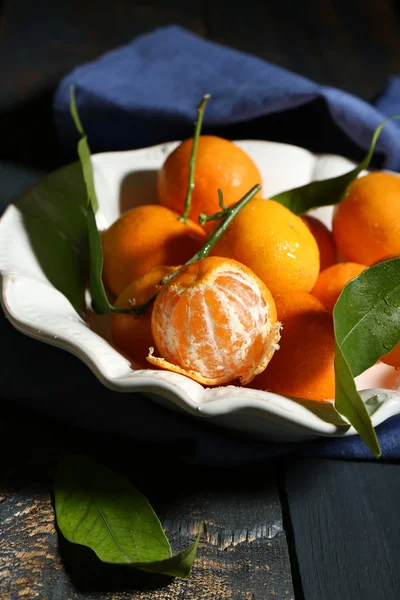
(36, 308)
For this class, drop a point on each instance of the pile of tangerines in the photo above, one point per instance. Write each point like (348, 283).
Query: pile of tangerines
(258, 310)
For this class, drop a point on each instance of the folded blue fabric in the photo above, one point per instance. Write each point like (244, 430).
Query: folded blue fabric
(145, 93)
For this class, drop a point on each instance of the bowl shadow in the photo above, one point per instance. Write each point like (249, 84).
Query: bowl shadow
(137, 188)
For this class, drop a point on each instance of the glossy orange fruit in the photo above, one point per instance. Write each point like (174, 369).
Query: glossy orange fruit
(274, 243)
(219, 164)
(324, 238)
(332, 280)
(366, 223)
(132, 334)
(393, 357)
(304, 365)
(215, 322)
(145, 237)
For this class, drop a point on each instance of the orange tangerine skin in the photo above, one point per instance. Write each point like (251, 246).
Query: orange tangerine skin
(215, 322)
(324, 238)
(132, 334)
(366, 223)
(332, 280)
(219, 164)
(393, 357)
(303, 367)
(296, 303)
(145, 237)
(274, 243)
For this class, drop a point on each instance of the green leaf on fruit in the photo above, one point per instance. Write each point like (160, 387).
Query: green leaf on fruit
(367, 326)
(326, 192)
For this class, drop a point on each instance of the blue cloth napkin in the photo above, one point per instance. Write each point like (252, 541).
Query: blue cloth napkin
(145, 93)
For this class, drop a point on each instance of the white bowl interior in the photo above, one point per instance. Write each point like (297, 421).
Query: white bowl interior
(126, 179)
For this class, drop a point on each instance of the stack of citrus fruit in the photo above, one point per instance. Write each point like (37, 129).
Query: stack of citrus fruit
(219, 319)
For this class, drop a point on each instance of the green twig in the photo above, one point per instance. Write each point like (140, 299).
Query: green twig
(192, 163)
(204, 218)
(229, 213)
(221, 200)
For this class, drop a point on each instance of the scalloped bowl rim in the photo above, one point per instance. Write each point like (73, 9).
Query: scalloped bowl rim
(223, 405)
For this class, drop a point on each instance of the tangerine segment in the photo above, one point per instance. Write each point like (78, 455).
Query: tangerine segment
(215, 321)
(324, 238)
(145, 237)
(274, 243)
(304, 365)
(366, 223)
(220, 164)
(132, 334)
(332, 280)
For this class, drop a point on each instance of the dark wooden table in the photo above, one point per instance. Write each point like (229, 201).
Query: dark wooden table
(304, 529)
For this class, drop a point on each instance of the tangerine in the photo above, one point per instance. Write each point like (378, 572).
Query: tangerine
(393, 357)
(132, 334)
(215, 321)
(332, 280)
(274, 243)
(142, 238)
(220, 164)
(304, 365)
(324, 238)
(366, 223)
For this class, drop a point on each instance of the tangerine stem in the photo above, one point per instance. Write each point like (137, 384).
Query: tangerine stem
(192, 162)
(229, 213)
(203, 217)
(221, 199)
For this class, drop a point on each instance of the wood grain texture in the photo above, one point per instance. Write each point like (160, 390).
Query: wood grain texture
(242, 554)
(346, 523)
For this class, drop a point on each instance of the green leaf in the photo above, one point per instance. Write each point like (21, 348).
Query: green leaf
(84, 153)
(348, 403)
(100, 301)
(327, 191)
(367, 315)
(54, 217)
(367, 326)
(98, 508)
(179, 565)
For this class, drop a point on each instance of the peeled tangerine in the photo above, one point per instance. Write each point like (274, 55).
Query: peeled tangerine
(215, 322)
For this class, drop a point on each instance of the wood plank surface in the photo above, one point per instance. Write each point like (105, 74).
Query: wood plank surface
(346, 525)
(242, 554)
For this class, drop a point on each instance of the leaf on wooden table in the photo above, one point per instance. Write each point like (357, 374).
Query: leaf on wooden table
(98, 508)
